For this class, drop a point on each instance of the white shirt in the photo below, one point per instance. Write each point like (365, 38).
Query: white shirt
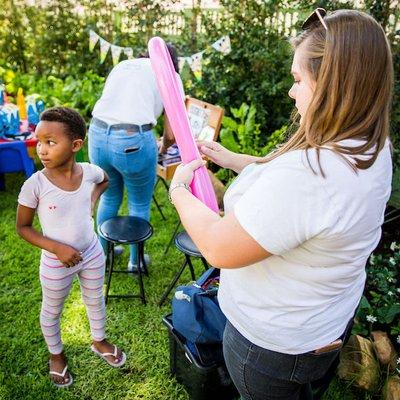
(64, 216)
(320, 232)
(131, 94)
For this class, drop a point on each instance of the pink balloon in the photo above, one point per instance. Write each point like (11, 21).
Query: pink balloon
(175, 108)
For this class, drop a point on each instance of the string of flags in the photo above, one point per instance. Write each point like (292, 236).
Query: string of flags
(222, 45)
(105, 46)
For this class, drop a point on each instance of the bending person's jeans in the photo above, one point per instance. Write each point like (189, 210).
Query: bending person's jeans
(136, 170)
(261, 374)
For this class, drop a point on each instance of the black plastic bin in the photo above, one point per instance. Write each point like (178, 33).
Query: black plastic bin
(202, 382)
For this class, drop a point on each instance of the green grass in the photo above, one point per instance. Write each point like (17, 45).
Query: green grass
(134, 327)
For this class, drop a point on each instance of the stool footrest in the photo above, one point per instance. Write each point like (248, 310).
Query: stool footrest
(125, 230)
(127, 296)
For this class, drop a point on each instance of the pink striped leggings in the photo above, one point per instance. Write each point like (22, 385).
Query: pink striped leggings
(56, 281)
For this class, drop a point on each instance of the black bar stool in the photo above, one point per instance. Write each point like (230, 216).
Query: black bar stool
(126, 230)
(184, 243)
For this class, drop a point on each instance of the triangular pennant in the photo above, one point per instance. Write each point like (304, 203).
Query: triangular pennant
(115, 53)
(181, 63)
(189, 61)
(93, 39)
(217, 45)
(223, 45)
(195, 64)
(128, 52)
(104, 47)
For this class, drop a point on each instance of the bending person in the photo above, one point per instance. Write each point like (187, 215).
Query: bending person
(301, 222)
(122, 140)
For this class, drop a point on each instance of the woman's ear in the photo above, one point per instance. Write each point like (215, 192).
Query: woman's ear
(77, 145)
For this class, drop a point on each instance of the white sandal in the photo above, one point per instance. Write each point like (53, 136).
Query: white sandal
(62, 385)
(104, 356)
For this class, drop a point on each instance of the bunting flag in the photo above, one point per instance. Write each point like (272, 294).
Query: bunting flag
(128, 52)
(195, 63)
(181, 62)
(115, 53)
(93, 39)
(223, 45)
(104, 47)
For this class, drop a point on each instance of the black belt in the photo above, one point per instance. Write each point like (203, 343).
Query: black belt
(131, 128)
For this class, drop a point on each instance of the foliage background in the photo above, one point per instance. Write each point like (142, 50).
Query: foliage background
(50, 43)
(44, 49)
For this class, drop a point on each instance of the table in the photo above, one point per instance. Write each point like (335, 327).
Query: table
(29, 143)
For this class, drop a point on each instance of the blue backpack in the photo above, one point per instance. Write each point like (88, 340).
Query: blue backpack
(196, 314)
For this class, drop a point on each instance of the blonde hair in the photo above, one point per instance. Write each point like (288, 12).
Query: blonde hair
(351, 64)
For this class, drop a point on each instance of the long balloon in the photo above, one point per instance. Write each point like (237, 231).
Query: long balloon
(175, 108)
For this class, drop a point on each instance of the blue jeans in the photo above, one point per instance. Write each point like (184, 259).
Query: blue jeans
(136, 171)
(261, 374)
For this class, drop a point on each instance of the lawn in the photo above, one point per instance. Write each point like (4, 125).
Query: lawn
(134, 327)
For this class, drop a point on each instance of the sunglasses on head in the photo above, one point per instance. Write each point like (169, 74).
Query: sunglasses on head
(318, 14)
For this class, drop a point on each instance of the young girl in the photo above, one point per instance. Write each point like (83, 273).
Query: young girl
(300, 223)
(64, 194)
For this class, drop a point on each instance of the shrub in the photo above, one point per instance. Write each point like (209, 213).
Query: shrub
(79, 93)
(380, 306)
(257, 71)
(241, 134)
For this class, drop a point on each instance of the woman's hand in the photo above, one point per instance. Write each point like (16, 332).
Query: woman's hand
(225, 158)
(68, 256)
(217, 153)
(184, 172)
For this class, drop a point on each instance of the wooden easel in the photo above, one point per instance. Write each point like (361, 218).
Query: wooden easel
(212, 125)
(212, 122)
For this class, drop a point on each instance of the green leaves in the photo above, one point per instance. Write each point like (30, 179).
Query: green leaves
(391, 312)
(79, 93)
(228, 140)
(382, 293)
(242, 134)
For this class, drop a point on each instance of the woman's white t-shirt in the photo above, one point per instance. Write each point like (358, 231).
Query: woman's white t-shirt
(320, 232)
(130, 94)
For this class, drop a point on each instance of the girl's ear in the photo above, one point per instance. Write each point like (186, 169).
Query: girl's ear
(77, 145)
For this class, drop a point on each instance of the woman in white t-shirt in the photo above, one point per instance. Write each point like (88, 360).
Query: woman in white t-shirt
(122, 140)
(301, 222)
